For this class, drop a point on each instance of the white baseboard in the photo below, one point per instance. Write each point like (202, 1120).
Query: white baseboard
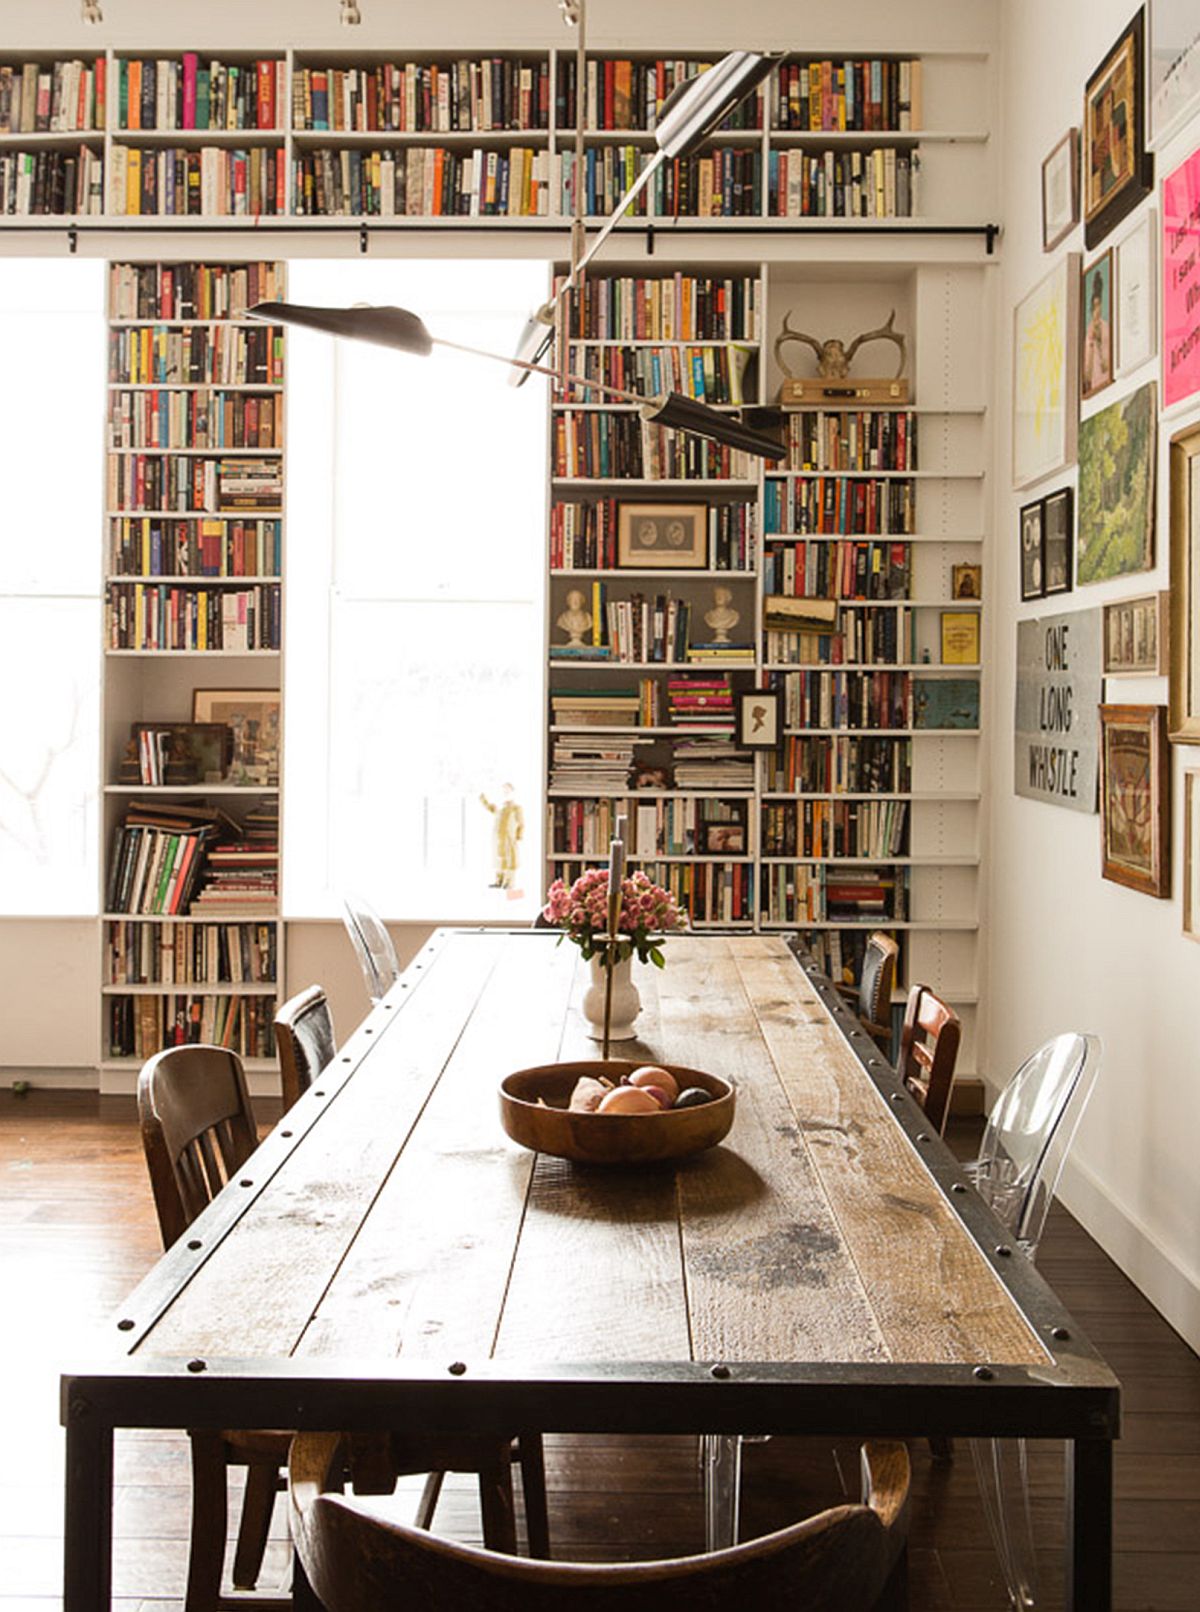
(57, 1079)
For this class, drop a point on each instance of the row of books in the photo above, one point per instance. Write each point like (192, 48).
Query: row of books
(190, 290)
(163, 616)
(157, 858)
(836, 504)
(148, 547)
(834, 828)
(710, 373)
(700, 700)
(881, 699)
(601, 445)
(202, 419)
(640, 628)
(659, 827)
(840, 570)
(710, 893)
(597, 765)
(186, 482)
(583, 535)
(164, 93)
(845, 439)
(191, 182)
(839, 953)
(720, 182)
(52, 97)
(51, 182)
(861, 636)
(196, 355)
(670, 307)
(140, 1026)
(831, 894)
(852, 93)
(422, 182)
(485, 93)
(191, 954)
(883, 183)
(712, 762)
(620, 93)
(838, 764)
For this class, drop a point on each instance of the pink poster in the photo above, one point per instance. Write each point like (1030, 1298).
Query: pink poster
(1181, 281)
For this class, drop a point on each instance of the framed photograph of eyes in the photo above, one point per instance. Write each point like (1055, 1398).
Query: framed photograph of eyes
(1032, 559)
(1058, 540)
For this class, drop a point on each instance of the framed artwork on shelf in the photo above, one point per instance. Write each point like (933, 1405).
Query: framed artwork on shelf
(1117, 452)
(1136, 633)
(1135, 780)
(660, 536)
(1135, 304)
(1184, 693)
(1191, 854)
(1117, 172)
(960, 637)
(1096, 316)
(1032, 550)
(1174, 63)
(1180, 276)
(1060, 190)
(723, 836)
(758, 725)
(1046, 374)
(966, 581)
(1058, 537)
(252, 716)
(181, 752)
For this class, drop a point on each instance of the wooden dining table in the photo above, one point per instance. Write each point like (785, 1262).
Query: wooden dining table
(389, 1258)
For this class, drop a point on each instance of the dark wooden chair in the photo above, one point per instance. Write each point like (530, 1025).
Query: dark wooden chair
(850, 1559)
(304, 1040)
(872, 1000)
(928, 1052)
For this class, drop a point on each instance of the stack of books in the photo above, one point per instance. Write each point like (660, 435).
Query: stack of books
(695, 701)
(712, 764)
(251, 484)
(596, 708)
(240, 875)
(591, 765)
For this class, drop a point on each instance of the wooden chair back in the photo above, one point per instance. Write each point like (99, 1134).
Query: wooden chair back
(197, 1129)
(839, 1561)
(877, 982)
(304, 1040)
(928, 1052)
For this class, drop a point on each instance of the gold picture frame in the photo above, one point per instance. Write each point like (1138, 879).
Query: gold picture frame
(253, 718)
(1136, 635)
(960, 637)
(1184, 688)
(1117, 172)
(1135, 785)
(1191, 854)
(660, 537)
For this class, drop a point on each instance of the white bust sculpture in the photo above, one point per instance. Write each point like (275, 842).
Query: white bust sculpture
(575, 620)
(722, 618)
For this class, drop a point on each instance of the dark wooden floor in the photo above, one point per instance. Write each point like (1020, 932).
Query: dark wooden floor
(77, 1231)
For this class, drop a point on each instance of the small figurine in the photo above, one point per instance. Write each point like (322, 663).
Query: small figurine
(507, 832)
(575, 620)
(722, 618)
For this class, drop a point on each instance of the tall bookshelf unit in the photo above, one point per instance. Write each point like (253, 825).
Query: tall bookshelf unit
(194, 549)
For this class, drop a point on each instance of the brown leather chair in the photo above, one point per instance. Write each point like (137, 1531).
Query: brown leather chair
(872, 1001)
(928, 1052)
(849, 1559)
(304, 1040)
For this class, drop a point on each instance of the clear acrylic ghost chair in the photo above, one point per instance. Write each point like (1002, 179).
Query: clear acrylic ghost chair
(1025, 1145)
(372, 945)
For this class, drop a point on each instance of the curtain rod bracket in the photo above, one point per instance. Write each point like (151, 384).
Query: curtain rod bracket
(649, 240)
(362, 239)
(72, 240)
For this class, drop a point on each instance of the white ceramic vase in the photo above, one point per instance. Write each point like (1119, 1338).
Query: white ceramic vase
(626, 1003)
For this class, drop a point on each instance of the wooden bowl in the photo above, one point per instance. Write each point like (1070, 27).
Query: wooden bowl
(550, 1127)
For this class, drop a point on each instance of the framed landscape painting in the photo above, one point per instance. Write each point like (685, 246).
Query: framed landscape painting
(1117, 450)
(1045, 374)
(1135, 776)
(1117, 173)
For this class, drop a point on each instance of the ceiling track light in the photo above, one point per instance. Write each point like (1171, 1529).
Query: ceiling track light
(90, 11)
(351, 15)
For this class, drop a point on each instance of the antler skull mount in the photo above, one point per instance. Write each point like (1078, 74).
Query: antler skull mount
(833, 356)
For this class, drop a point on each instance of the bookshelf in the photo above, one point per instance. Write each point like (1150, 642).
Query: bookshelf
(192, 943)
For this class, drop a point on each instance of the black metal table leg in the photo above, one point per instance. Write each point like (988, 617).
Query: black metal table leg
(87, 1545)
(1089, 1525)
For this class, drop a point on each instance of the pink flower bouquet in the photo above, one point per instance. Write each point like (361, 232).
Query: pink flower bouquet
(648, 912)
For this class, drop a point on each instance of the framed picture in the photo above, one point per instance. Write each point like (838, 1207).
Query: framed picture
(1184, 693)
(1191, 854)
(1117, 453)
(1117, 173)
(1136, 633)
(1174, 67)
(1096, 316)
(1032, 557)
(723, 837)
(180, 752)
(1136, 314)
(1135, 780)
(966, 581)
(1058, 539)
(1180, 304)
(758, 720)
(252, 716)
(1046, 374)
(1060, 190)
(960, 637)
(663, 536)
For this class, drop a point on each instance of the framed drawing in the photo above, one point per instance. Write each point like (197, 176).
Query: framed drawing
(1032, 550)
(662, 536)
(1060, 190)
(1180, 276)
(1174, 61)
(1191, 854)
(252, 716)
(1117, 452)
(960, 637)
(1135, 779)
(1058, 534)
(1045, 374)
(1096, 316)
(181, 752)
(1117, 173)
(722, 836)
(1135, 320)
(1184, 693)
(966, 581)
(1136, 632)
(758, 720)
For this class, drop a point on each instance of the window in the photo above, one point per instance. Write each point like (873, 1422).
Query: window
(416, 521)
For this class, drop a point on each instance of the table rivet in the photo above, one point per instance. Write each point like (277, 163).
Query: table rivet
(318, 1094)
(895, 1096)
(367, 1030)
(286, 1134)
(1003, 1250)
(720, 1371)
(345, 1060)
(922, 1136)
(79, 1409)
(125, 1325)
(194, 1243)
(458, 1369)
(957, 1186)
(1060, 1334)
(197, 1365)
(984, 1373)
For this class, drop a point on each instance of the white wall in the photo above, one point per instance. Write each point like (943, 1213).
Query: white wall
(1066, 949)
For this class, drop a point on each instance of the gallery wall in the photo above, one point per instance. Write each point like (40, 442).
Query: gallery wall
(1066, 948)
